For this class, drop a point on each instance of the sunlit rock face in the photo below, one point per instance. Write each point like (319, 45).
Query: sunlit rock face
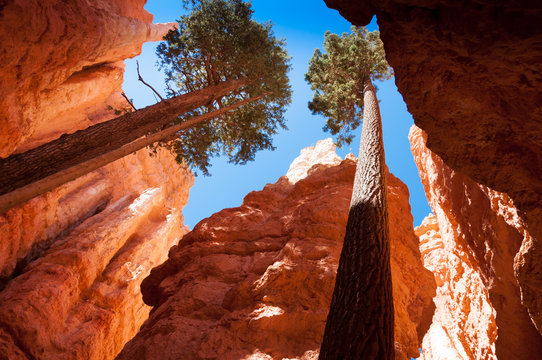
(470, 74)
(471, 244)
(255, 282)
(62, 65)
(72, 260)
(62, 71)
(323, 153)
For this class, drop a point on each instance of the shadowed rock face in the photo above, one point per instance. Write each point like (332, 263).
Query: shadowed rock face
(470, 244)
(470, 73)
(257, 280)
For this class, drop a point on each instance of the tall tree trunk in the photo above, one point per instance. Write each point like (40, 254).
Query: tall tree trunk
(360, 321)
(20, 170)
(43, 185)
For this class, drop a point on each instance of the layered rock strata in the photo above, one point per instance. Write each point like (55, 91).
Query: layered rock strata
(256, 281)
(81, 299)
(470, 74)
(72, 260)
(471, 244)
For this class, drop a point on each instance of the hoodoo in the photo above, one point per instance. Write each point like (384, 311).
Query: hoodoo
(470, 75)
(256, 281)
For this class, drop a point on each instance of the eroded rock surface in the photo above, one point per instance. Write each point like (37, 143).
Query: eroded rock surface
(470, 74)
(256, 281)
(72, 260)
(470, 244)
(81, 298)
(62, 68)
(322, 153)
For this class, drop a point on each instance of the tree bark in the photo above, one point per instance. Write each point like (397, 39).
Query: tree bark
(27, 192)
(360, 321)
(21, 170)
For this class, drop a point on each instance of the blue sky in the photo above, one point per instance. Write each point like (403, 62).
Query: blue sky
(303, 24)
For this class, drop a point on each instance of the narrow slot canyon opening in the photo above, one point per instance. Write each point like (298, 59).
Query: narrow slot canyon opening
(228, 184)
(146, 257)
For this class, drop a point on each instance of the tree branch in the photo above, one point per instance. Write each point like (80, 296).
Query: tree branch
(210, 77)
(143, 81)
(172, 130)
(129, 101)
(190, 59)
(186, 74)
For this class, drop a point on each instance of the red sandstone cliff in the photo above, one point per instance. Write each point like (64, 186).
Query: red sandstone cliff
(81, 299)
(471, 244)
(256, 281)
(62, 65)
(72, 260)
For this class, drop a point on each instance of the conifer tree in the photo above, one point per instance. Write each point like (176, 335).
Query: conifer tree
(360, 320)
(217, 42)
(227, 86)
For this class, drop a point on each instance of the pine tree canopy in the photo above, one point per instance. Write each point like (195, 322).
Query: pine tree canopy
(218, 41)
(338, 76)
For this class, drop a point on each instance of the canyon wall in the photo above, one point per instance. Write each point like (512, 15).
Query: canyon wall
(255, 282)
(76, 294)
(62, 65)
(470, 74)
(72, 260)
(471, 244)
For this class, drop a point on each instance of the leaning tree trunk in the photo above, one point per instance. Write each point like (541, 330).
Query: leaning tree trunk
(36, 171)
(360, 321)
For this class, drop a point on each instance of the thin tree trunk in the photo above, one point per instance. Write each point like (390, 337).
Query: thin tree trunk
(360, 321)
(20, 170)
(41, 186)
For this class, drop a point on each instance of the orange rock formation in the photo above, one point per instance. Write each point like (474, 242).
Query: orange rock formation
(72, 260)
(62, 65)
(470, 245)
(256, 281)
(80, 299)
